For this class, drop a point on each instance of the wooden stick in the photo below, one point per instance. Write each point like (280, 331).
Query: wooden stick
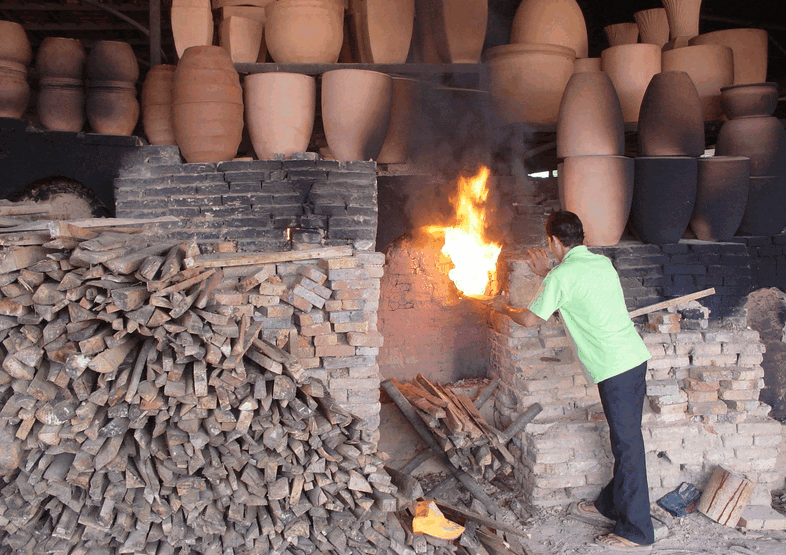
(43, 225)
(532, 411)
(486, 394)
(672, 302)
(226, 259)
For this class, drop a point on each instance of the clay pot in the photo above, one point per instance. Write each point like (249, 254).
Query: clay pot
(527, 80)
(756, 138)
(710, 66)
(356, 108)
(112, 61)
(558, 22)
(112, 107)
(61, 104)
(304, 31)
(459, 29)
(249, 12)
(664, 192)
(721, 195)
(14, 90)
(192, 24)
(207, 105)
(157, 105)
(241, 37)
(750, 52)
(590, 117)
(383, 29)
(60, 57)
(753, 100)
(670, 120)
(683, 16)
(679, 42)
(653, 26)
(586, 64)
(599, 189)
(561, 185)
(280, 110)
(395, 149)
(622, 33)
(764, 213)
(15, 47)
(630, 67)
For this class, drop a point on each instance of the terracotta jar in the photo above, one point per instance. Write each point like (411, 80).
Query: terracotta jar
(558, 22)
(721, 195)
(653, 26)
(586, 64)
(622, 33)
(710, 66)
(590, 117)
(15, 47)
(304, 31)
(112, 107)
(664, 192)
(382, 29)
(207, 105)
(527, 80)
(112, 61)
(241, 37)
(356, 112)
(764, 213)
(670, 120)
(459, 29)
(395, 149)
(60, 57)
(192, 24)
(753, 100)
(61, 104)
(630, 67)
(683, 16)
(280, 110)
(750, 52)
(157, 105)
(756, 138)
(14, 90)
(599, 189)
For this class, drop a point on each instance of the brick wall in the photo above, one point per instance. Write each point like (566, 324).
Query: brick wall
(768, 260)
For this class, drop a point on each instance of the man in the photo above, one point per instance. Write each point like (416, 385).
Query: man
(586, 290)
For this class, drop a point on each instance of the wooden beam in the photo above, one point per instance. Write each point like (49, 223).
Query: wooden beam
(672, 302)
(254, 258)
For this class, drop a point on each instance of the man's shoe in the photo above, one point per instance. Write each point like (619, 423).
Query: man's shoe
(618, 543)
(585, 511)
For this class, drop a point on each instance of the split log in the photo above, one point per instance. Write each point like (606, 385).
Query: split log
(725, 496)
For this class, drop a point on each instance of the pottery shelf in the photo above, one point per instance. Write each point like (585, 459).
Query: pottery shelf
(402, 69)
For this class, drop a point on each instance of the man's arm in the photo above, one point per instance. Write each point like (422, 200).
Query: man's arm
(522, 316)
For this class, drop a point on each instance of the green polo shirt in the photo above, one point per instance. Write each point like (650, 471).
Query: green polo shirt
(586, 289)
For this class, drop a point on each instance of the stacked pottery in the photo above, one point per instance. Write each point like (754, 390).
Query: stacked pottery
(622, 33)
(157, 105)
(304, 31)
(192, 24)
(653, 26)
(683, 17)
(60, 64)
(112, 107)
(559, 22)
(382, 29)
(630, 67)
(15, 54)
(710, 66)
(241, 33)
(395, 149)
(721, 197)
(749, 48)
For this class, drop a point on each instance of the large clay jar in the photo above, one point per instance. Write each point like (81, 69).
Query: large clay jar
(157, 105)
(630, 67)
(304, 31)
(550, 22)
(383, 29)
(14, 90)
(280, 110)
(207, 105)
(395, 149)
(61, 104)
(112, 61)
(683, 16)
(670, 120)
(112, 107)
(14, 46)
(756, 138)
(527, 80)
(356, 112)
(192, 24)
(622, 33)
(60, 57)
(721, 194)
(664, 192)
(653, 26)
(241, 37)
(764, 213)
(753, 100)
(710, 66)
(750, 52)
(459, 28)
(590, 117)
(586, 64)
(599, 189)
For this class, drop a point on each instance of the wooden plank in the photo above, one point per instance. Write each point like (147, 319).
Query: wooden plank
(43, 225)
(8, 208)
(131, 262)
(672, 302)
(252, 258)
(14, 259)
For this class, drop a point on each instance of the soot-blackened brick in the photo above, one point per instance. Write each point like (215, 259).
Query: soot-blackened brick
(249, 166)
(697, 269)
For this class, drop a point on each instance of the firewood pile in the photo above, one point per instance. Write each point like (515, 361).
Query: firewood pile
(146, 409)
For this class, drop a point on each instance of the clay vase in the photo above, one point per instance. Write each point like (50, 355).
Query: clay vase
(61, 104)
(664, 192)
(14, 47)
(750, 52)
(60, 57)
(683, 16)
(527, 80)
(459, 29)
(599, 189)
(112, 107)
(157, 105)
(653, 26)
(558, 22)
(561, 185)
(753, 100)
(249, 12)
(192, 24)
(14, 90)
(756, 138)
(112, 61)
(622, 33)
(241, 37)
(590, 117)
(710, 66)
(670, 119)
(395, 149)
(586, 64)
(764, 213)
(630, 67)
(356, 107)
(304, 31)
(280, 110)
(721, 195)
(382, 29)
(207, 105)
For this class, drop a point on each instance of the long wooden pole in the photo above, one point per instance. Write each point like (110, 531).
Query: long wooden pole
(672, 302)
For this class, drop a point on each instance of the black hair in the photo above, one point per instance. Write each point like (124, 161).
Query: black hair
(565, 226)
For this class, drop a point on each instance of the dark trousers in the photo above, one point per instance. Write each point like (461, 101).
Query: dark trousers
(626, 498)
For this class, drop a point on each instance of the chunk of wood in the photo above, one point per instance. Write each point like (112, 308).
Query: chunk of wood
(247, 259)
(725, 496)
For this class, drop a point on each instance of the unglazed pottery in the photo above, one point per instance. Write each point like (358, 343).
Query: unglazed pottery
(460, 29)
(756, 138)
(280, 110)
(622, 33)
(750, 52)
(764, 213)
(590, 117)
(192, 24)
(599, 189)
(14, 90)
(382, 29)
(679, 42)
(395, 149)
(157, 105)
(250, 12)
(586, 64)
(241, 37)
(61, 104)
(664, 193)
(112, 107)
(630, 67)
(356, 107)
(710, 66)
(683, 16)
(60, 57)
(304, 31)
(14, 46)
(753, 100)
(112, 61)
(558, 22)
(670, 119)
(527, 80)
(721, 195)
(653, 26)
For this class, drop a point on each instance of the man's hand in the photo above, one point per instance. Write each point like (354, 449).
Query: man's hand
(538, 261)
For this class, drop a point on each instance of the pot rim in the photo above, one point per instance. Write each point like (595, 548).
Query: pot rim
(356, 70)
(767, 84)
(508, 49)
(722, 158)
(271, 74)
